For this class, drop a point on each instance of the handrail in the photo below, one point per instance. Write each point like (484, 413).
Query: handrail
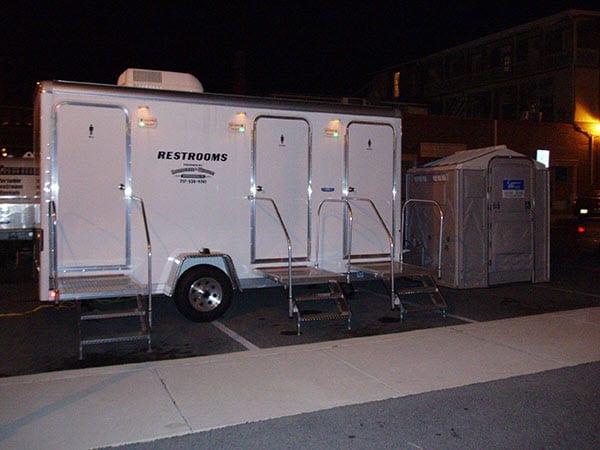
(289, 247)
(52, 238)
(149, 256)
(402, 225)
(390, 239)
(121, 187)
(349, 237)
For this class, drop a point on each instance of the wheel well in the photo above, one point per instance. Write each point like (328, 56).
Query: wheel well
(183, 263)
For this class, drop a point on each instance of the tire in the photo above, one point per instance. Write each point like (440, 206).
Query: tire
(203, 293)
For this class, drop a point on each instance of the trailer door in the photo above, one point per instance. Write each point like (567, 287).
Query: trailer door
(90, 162)
(370, 161)
(281, 172)
(510, 220)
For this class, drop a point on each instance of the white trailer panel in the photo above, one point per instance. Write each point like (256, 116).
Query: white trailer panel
(199, 163)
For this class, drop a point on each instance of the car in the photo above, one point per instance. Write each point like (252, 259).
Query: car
(589, 204)
(587, 238)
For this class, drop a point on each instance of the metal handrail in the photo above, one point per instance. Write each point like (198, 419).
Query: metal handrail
(403, 224)
(289, 247)
(390, 239)
(52, 238)
(349, 237)
(149, 257)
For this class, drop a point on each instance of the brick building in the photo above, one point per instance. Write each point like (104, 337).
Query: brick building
(534, 86)
(429, 137)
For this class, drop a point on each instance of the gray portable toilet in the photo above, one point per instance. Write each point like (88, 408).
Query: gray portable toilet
(496, 218)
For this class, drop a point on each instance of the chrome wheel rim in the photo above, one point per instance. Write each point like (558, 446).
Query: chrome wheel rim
(205, 294)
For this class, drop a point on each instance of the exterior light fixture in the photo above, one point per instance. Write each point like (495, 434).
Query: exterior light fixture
(145, 118)
(333, 129)
(238, 124)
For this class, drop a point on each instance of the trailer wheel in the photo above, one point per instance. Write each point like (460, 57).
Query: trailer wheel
(203, 293)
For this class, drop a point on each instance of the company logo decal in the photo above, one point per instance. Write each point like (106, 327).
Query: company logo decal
(513, 188)
(192, 174)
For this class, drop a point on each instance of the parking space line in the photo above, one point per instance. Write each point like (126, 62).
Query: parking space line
(464, 319)
(236, 337)
(568, 291)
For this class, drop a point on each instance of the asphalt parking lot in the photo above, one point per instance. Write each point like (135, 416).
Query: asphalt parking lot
(41, 338)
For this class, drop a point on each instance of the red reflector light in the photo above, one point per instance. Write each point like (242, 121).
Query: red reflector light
(581, 229)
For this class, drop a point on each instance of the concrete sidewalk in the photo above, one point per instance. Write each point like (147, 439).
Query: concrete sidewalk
(141, 402)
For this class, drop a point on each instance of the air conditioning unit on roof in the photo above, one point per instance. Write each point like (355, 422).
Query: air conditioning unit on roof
(158, 79)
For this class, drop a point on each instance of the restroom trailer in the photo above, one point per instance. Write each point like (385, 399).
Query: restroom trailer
(153, 187)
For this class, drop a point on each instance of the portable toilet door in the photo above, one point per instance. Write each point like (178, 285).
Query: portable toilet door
(281, 171)
(370, 160)
(91, 160)
(510, 220)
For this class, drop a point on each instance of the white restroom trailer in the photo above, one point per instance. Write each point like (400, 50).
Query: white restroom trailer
(196, 195)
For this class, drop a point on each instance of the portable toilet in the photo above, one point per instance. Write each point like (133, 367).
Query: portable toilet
(496, 218)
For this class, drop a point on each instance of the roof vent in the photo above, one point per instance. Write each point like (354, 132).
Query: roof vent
(157, 79)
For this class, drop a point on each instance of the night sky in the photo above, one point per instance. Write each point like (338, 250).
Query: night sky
(310, 48)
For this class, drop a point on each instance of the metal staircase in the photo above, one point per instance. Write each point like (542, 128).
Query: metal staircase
(314, 294)
(109, 287)
(414, 288)
(82, 287)
(408, 284)
(292, 276)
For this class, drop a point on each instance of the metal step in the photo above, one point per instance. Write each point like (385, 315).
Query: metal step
(301, 275)
(417, 290)
(94, 287)
(324, 316)
(98, 315)
(141, 331)
(122, 337)
(337, 300)
(383, 269)
(320, 296)
(428, 294)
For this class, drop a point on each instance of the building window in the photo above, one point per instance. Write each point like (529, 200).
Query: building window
(476, 64)
(396, 84)
(523, 45)
(507, 59)
(457, 68)
(554, 41)
(588, 33)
